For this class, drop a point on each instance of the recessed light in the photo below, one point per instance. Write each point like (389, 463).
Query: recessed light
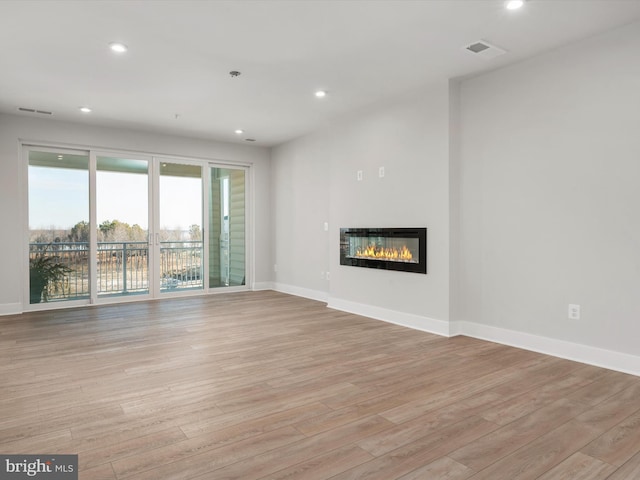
(249, 139)
(514, 4)
(118, 47)
(59, 157)
(239, 132)
(321, 94)
(85, 109)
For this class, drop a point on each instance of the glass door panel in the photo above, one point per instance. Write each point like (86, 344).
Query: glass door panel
(58, 197)
(180, 232)
(104, 226)
(122, 213)
(227, 239)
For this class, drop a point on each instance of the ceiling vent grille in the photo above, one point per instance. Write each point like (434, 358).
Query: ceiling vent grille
(483, 49)
(33, 110)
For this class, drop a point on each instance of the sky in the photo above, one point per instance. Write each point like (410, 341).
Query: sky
(60, 198)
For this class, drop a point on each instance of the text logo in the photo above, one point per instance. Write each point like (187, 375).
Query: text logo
(44, 467)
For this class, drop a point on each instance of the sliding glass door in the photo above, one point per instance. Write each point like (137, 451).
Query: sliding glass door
(179, 240)
(122, 221)
(227, 227)
(104, 227)
(58, 227)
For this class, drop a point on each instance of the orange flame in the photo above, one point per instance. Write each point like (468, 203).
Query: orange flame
(380, 253)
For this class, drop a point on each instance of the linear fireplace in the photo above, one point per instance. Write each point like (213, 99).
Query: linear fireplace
(403, 249)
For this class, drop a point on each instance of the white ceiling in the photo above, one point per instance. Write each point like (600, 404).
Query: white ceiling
(55, 56)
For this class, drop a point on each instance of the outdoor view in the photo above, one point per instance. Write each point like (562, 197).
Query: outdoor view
(58, 222)
(59, 229)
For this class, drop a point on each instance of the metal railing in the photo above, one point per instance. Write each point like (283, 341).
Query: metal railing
(181, 265)
(122, 267)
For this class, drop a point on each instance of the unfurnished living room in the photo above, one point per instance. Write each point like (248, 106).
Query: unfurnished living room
(316, 239)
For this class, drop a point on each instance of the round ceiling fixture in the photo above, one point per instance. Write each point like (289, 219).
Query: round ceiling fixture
(118, 47)
(514, 4)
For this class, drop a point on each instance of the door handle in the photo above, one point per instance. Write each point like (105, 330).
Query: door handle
(157, 239)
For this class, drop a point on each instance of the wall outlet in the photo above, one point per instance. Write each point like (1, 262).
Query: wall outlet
(381, 172)
(359, 175)
(328, 276)
(275, 267)
(326, 226)
(574, 312)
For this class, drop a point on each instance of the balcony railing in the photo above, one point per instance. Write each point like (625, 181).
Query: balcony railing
(123, 267)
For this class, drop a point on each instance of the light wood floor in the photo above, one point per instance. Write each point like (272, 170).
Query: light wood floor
(261, 385)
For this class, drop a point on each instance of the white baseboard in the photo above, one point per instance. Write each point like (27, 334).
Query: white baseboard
(599, 357)
(318, 295)
(417, 322)
(10, 308)
(263, 286)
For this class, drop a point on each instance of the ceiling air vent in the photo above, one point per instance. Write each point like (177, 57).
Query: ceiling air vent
(33, 110)
(483, 49)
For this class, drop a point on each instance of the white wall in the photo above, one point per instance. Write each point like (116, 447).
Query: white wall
(550, 197)
(14, 128)
(314, 180)
(301, 186)
(527, 178)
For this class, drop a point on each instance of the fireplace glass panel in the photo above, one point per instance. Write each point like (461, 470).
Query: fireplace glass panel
(391, 249)
(402, 249)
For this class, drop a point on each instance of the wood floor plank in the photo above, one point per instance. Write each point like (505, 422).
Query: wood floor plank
(619, 444)
(88, 459)
(540, 455)
(332, 419)
(102, 472)
(274, 460)
(195, 457)
(443, 468)
(506, 383)
(579, 466)
(258, 385)
(58, 440)
(613, 410)
(424, 425)
(631, 469)
(532, 400)
(509, 438)
(416, 454)
(323, 466)
(604, 387)
(262, 421)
